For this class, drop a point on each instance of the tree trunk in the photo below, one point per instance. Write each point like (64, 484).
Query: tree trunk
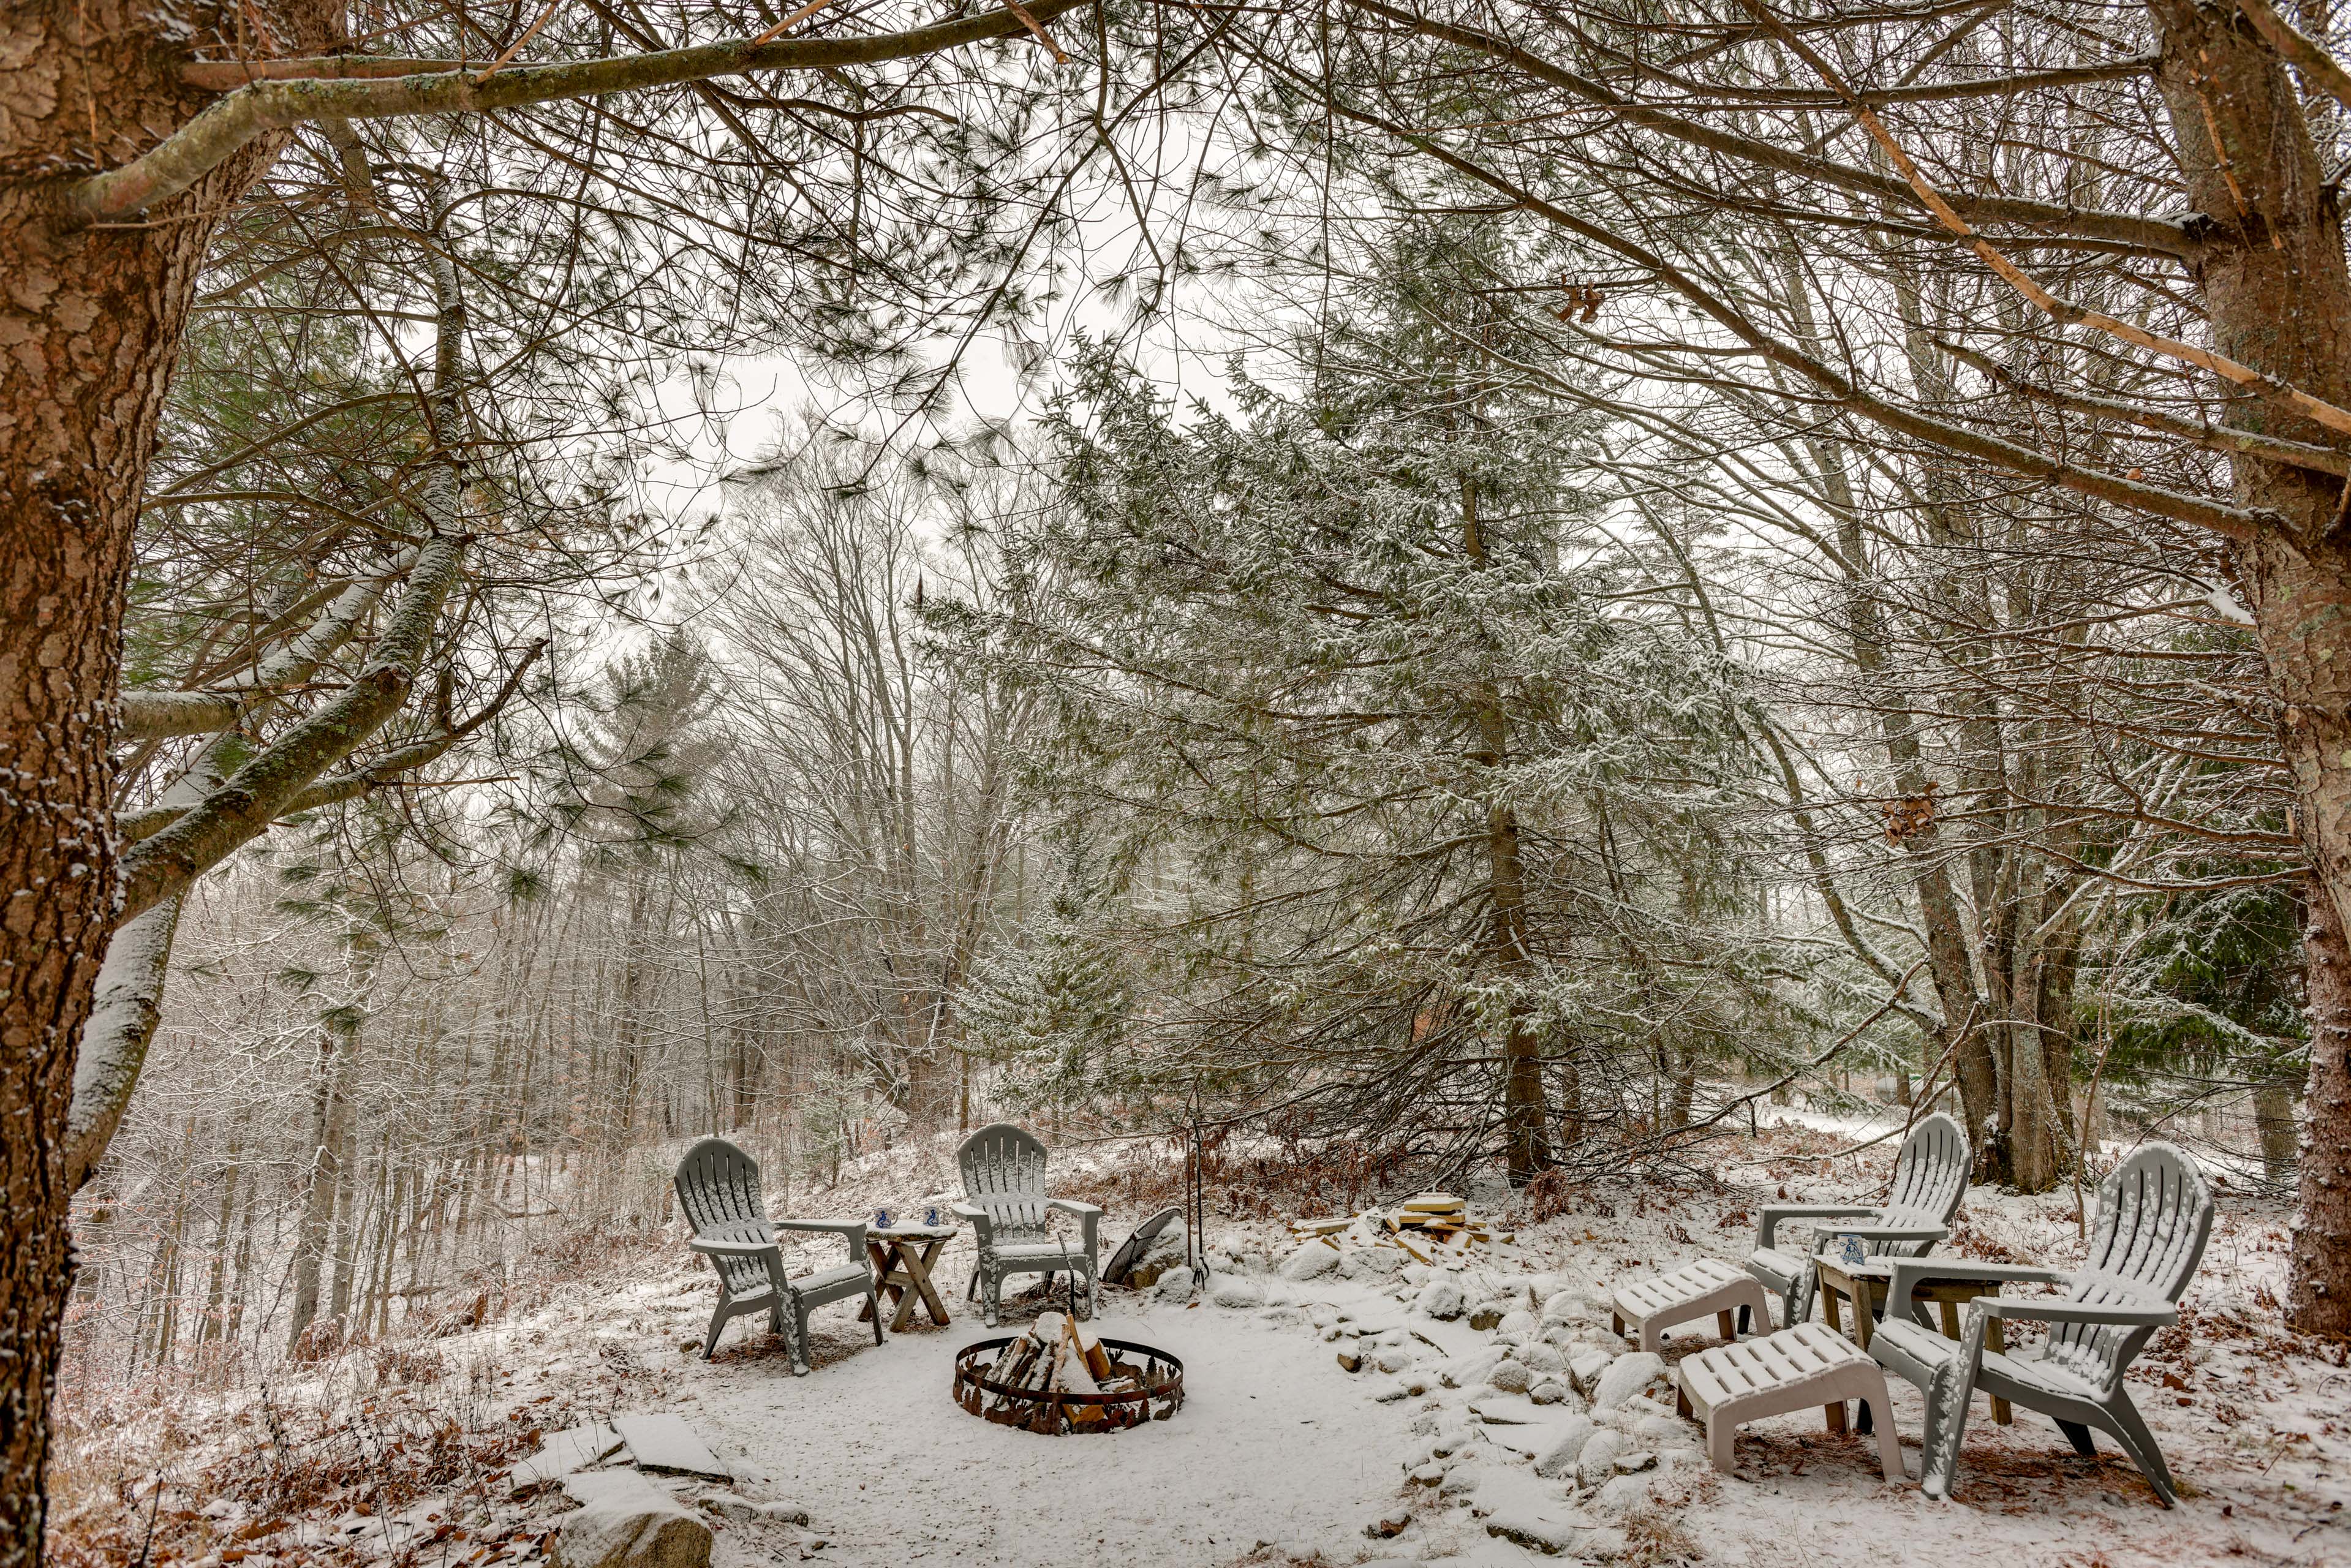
(216, 1285)
(2273, 1123)
(1924, 848)
(2271, 280)
(2318, 1295)
(330, 1136)
(1525, 1111)
(91, 317)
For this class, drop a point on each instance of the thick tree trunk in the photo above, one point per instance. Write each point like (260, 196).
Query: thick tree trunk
(2272, 279)
(91, 318)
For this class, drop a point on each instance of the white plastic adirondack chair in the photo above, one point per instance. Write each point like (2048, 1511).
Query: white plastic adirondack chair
(718, 1190)
(2155, 1215)
(1930, 1177)
(1003, 1187)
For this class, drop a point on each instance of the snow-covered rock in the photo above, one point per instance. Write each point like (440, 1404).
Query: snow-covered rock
(1558, 1460)
(1664, 1432)
(1439, 1299)
(1454, 1439)
(1313, 1261)
(1584, 1369)
(1510, 1378)
(1540, 1357)
(1597, 1461)
(1626, 1376)
(1176, 1285)
(1551, 1391)
(1236, 1291)
(746, 1511)
(561, 1453)
(1393, 1358)
(1571, 1307)
(1621, 1495)
(1515, 1508)
(1370, 1263)
(626, 1521)
(1518, 1325)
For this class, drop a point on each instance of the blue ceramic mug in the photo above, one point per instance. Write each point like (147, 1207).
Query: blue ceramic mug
(1851, 1252)
(880, 1219)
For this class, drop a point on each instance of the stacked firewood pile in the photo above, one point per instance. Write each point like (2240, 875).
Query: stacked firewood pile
(1054, 1372)
(1424, 1228)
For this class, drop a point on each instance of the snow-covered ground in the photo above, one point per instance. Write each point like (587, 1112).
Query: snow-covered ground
(1278, 1454)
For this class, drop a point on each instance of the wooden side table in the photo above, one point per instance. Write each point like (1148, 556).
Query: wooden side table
(1863, 1289)
(902, 1255)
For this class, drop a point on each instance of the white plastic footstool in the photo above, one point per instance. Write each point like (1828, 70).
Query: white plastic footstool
(1709, 1285)
(1807, 1365)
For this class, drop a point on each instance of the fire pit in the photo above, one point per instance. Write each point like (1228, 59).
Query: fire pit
(1059, 1378)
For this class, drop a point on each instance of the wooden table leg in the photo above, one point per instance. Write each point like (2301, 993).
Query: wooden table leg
(1950, 1319)
(918, 1269)
(879, 1257)
(1828, 1292)
(1996, 1339)
(1722, 1325)
(906, 1298)
(1864, 1321)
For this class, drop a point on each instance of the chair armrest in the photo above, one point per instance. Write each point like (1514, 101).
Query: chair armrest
(1089, 1217)
(1767, 1224)
(1908, 1272)
(849, 1230)
(1896, 1232)
(732, 1248)
(2048, 1312)
(983, 1227)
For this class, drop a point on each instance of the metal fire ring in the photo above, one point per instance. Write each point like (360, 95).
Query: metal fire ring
(1040, 1410)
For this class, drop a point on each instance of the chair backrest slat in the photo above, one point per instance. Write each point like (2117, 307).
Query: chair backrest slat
(718, 1192)
(1930, 1179)
(1004, 1173)
(2155, 1215)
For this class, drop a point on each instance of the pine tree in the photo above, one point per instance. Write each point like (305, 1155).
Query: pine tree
(1388, 740)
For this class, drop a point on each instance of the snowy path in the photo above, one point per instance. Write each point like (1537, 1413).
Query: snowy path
(1271, 1445)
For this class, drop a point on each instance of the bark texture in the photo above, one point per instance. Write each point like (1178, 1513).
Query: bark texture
(2318, 1300)
(2272, 280)
(88, 322)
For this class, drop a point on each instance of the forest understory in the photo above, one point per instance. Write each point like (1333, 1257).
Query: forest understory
(395, 1449)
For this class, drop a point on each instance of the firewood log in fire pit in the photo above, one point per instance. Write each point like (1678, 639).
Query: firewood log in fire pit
(1058, 1376)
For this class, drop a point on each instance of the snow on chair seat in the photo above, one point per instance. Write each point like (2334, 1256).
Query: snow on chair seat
(1808, 1364)
(1694, 1290)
